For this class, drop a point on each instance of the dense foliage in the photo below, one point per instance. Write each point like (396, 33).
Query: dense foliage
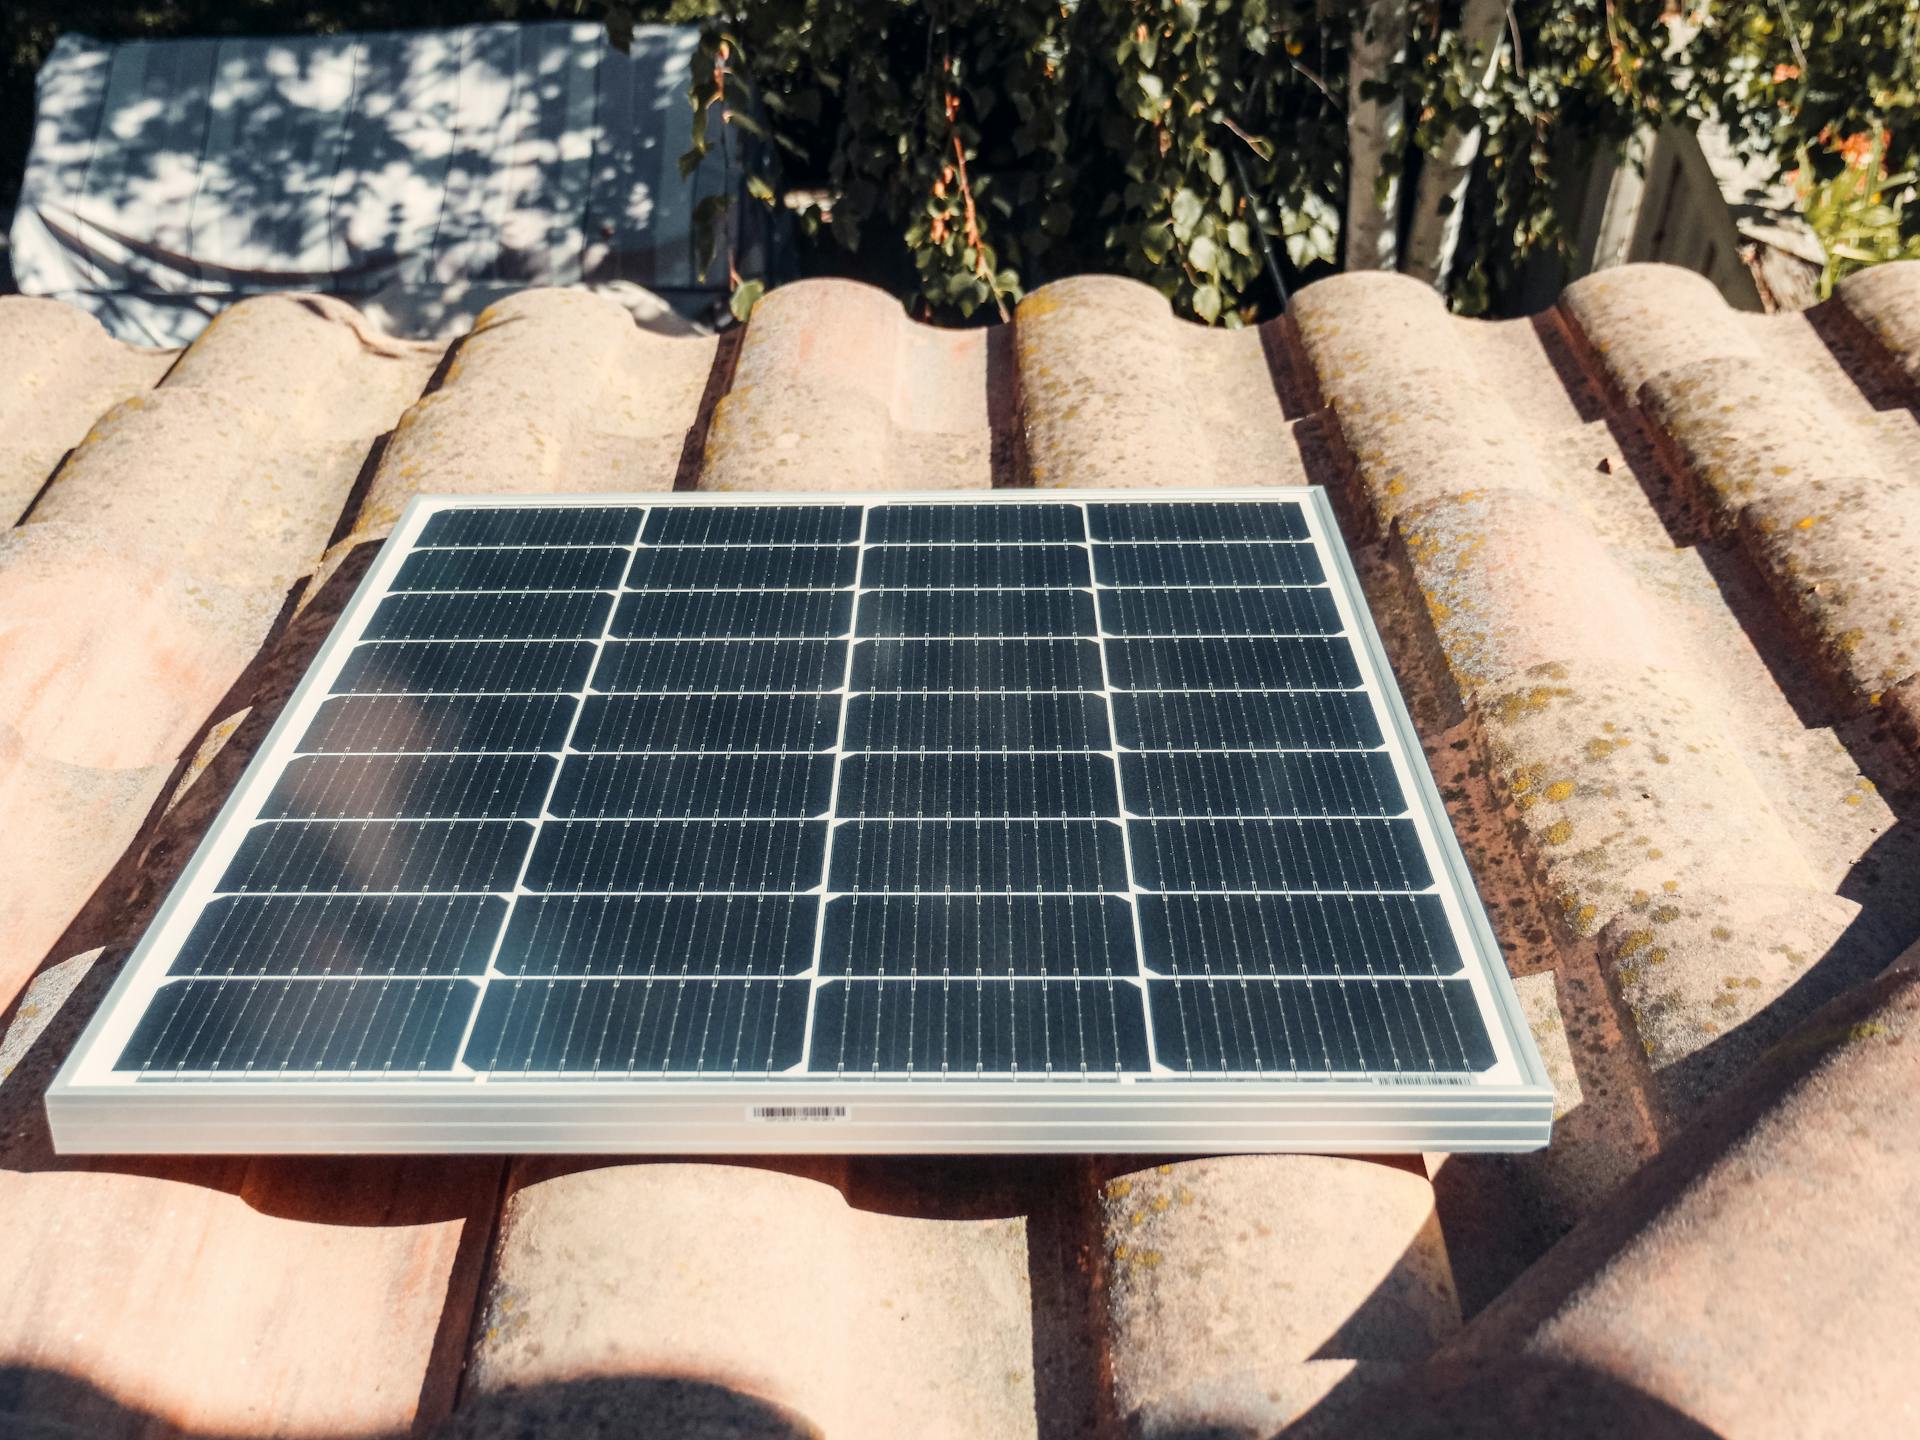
(1202, 145)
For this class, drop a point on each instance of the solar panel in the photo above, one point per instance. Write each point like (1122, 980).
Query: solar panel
(703, 823)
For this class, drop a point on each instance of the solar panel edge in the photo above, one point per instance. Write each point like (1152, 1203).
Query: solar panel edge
(1077, 508)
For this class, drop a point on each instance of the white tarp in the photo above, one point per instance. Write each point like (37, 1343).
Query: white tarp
(416, 172)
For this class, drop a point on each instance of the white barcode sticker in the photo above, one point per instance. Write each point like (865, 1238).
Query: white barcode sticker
(798, 1114)
(1422, 1079)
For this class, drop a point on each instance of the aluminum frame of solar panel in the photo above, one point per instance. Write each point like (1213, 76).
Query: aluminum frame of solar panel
(1506, 1105)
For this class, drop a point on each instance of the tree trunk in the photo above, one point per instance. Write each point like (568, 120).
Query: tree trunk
(1375, 130)
(1448, 166)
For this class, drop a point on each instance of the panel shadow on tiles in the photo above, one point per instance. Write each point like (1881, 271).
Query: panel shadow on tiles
(999, 791)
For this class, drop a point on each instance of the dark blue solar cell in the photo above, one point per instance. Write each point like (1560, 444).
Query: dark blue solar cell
(977, 722)
(674, 666)
(1325, 720)
(714, 615)
(1343, 1027)
(952, 614)
(759, 567)
(1051, 856)
(996, 523)
(976, 665)
(1207, 565)
(685, 856)
(1272, 782)
(963, 567)
(660, 935)
(548, 568)
(533, 525)
(1201, 520)
(714, 723)
(968, 1027)
(1278, 855)
(753, 525)
(899, 784)
(445, 723)
(1236, 663)
(649, 786)
(1230, 935)
(265, 1026)
(432, 787)
(993, 935)
(1234, 610)
(342, 935)
(470, 667)
(464, 856)
(526, 615)
(616, 1027)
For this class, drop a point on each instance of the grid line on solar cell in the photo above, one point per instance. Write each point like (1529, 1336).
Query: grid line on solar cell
(753, 525)
(757, 567)
(992, 665)
(732, 785)
(1235, 610)
(664, 936)
(1303, 935)
(399, 787)
(725, 614)
(521, 526)
(500, 667)
(1220, 664)
(1274, 783)
(904, 784)
(617, 1027)
(467, 724)
(1318, 1026)
(935, 935)
(342, 934)
(553, 568)
(679, 667)
(999, 614)
(936, 567)
(1175, 566)
(517, 615)
(887, 1026)
(989, 524)
(719, 723)
(1006, 722)
(1277, 719)
(1188, 523)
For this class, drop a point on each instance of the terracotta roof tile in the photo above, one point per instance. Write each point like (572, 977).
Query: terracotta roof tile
(63, 372)
(861, 1324)
(553, 390)
(836, 389)
(151, 569)
(1232, 1281)
(1692, 819)
(1770, 1240)
(1116, 391)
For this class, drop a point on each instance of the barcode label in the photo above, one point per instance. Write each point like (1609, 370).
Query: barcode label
(797, 1114)
(1422, 1079)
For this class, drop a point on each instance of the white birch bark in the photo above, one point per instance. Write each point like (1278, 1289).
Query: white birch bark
(1375, 129)
(1448, 166)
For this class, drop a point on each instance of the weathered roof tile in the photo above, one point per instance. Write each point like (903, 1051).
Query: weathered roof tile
(62, 371)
